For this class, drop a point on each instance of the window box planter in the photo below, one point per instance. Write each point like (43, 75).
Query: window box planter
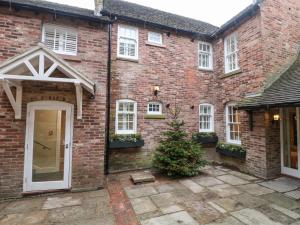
(126, 144)
(206, 138)
(230, 150)
(126, 141)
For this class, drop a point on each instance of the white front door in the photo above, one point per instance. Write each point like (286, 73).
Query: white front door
(48, 146)
(290, 148)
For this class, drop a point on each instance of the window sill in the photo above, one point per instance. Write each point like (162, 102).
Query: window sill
(127, 59)
(155, 117)
(205, 70)
(155, 45)
(73, 58)
(235, 72)
(233, 143)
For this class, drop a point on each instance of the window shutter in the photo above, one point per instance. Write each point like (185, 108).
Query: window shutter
(49, 37)
(71, 43)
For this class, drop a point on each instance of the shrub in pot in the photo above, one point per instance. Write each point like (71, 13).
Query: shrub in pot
(205, 137)
(231, 150)
(126, 141)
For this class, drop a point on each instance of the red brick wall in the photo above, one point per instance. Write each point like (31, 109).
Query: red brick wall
(19, 31)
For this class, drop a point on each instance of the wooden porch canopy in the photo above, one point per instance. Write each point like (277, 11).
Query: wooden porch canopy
(40, 64)
(283, 91)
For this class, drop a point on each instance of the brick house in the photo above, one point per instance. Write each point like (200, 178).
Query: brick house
(72, 77)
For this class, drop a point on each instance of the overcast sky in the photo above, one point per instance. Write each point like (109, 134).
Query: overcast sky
(216, 12)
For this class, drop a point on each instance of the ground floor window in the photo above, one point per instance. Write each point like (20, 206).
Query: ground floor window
(233, 132)
(206, 118)
(126, 116)
(154, 108)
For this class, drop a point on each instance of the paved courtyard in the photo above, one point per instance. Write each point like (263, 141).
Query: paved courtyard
(217, 196)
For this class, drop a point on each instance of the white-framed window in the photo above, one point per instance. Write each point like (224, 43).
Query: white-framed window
(61, 40)
(126, 116)
(156, 38)
(154, 108)
(206, 118)
(128, 42)
(233, 122)
(231, 53)
(205, 56)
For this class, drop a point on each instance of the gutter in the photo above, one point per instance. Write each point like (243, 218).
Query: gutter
(240, 18)
(54, 11)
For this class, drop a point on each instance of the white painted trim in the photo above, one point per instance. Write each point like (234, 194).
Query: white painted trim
(155, 33)
(227, 70)
(211, 58)
(79, 101)
(134, 131)
(63, 66)
(154, 113)
(285, 122)
(228, 139)
(28, 185)
(136, 57)
(16, 103)
(212, 118)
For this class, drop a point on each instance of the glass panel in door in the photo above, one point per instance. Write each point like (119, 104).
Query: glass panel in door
(48, 145)
(290, 139)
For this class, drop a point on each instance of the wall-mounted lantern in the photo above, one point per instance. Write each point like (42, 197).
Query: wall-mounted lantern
(156, 90)
(276, 117)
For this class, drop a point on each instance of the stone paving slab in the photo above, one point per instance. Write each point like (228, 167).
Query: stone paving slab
(142, 177)
(227, 221)
(179, 218)
(171, 209)
(195, 188)
(215, 172)
(281, 200)
(225, 190)
(286, 212)
(59, 202)
(293, 194)
(164, 199)
(140, 191)
(243, 176)
(232, 180)
(253, 217)
(282, 184)
(143, 205)
(208, 181)
(255, 189)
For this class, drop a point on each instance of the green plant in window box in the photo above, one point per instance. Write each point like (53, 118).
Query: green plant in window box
(205, 137)
(119, 141)
(231, 150)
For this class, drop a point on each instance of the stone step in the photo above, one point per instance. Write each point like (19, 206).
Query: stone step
(142, 177)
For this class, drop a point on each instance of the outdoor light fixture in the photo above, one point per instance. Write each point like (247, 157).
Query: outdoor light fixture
(156, 90)
(276, 117)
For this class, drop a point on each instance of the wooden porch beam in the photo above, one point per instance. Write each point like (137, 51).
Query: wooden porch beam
(79, 100)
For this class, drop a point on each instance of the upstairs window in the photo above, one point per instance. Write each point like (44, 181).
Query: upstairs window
(154, 108)
(231, 53)
(60, 40)
(155, 38)
(206, 118)
(233, 122)
(126, 117)
(128, 42)
(205, 56)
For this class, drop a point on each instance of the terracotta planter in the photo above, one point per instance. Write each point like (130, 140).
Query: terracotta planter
(233, 154)
(126, 144)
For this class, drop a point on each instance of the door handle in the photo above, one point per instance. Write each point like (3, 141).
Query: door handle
(67, 146)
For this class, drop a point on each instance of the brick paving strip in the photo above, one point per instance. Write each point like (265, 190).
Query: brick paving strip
(121, 206)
